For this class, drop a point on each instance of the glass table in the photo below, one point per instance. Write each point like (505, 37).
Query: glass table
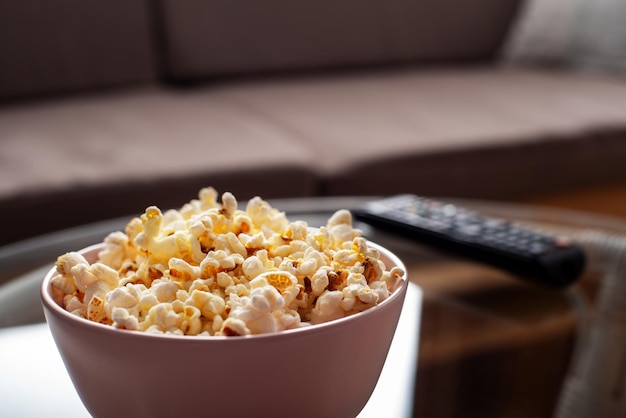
(472, 341)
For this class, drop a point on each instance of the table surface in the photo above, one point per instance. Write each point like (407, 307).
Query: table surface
(490, 345)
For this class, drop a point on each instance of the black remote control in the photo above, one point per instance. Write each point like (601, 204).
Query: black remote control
(545, 259)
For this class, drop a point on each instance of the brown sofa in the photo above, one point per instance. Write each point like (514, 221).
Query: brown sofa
(108, 107)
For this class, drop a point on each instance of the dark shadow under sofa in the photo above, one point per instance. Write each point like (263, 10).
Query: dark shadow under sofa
(109, 107)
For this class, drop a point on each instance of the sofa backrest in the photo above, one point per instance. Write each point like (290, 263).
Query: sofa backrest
(49, 47)
(204, 38)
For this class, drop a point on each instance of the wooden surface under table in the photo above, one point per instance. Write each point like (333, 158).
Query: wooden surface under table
(491, 345)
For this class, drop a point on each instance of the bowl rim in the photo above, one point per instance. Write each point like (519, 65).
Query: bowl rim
(51, 305)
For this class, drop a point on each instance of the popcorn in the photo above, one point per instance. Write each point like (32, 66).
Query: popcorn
(211, 268)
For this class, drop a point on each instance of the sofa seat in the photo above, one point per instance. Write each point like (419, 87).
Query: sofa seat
(84, 159)
(471, 132)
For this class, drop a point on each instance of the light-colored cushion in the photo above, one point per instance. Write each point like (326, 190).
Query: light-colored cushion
(574, 34)
(602, 40)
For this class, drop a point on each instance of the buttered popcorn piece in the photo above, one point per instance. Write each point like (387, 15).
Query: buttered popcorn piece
(212, 268)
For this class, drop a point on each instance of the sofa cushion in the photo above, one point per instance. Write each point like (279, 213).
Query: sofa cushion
(215, 37)
(66, 45)
(488, 132)
(87, 159)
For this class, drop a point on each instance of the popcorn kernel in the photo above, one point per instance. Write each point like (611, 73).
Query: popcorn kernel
(211, 268)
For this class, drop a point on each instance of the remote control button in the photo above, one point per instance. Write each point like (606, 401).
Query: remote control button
(495, 223)
(537, 248)
(449, 210)
(471, 229)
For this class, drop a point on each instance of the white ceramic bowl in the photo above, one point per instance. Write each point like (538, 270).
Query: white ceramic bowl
(325, 370)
